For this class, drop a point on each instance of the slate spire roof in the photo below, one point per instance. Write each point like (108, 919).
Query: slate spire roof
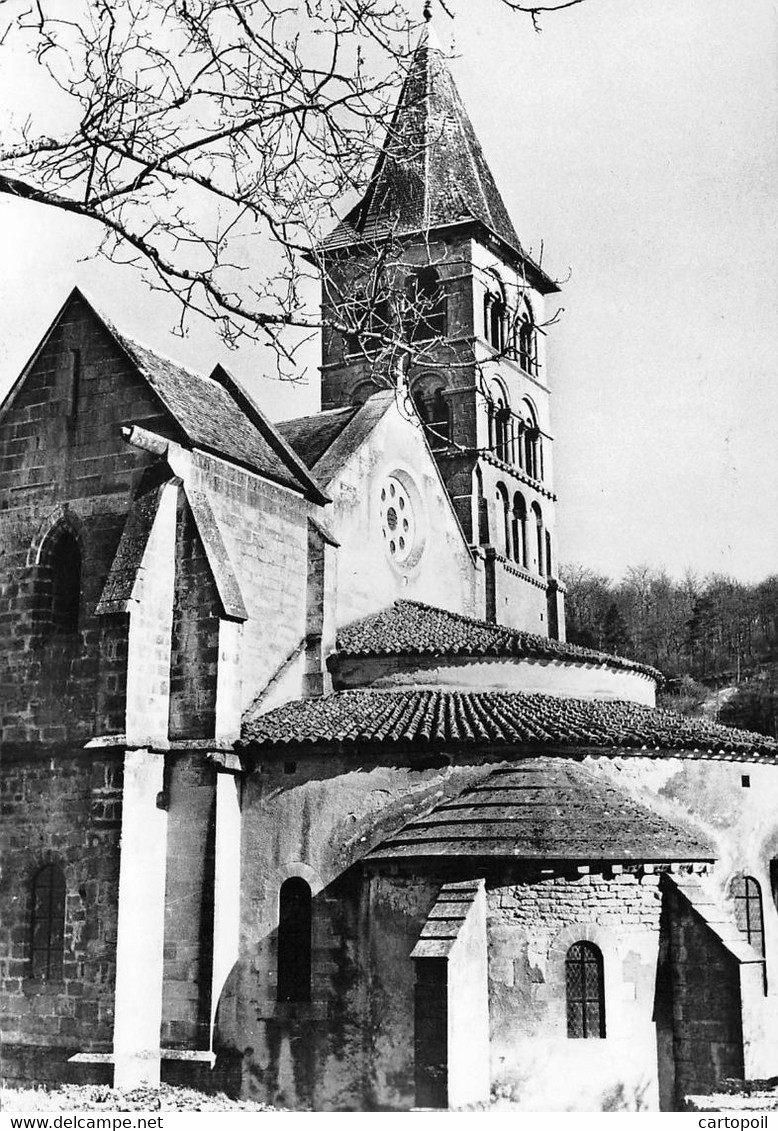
(431, 171)
(546, 809)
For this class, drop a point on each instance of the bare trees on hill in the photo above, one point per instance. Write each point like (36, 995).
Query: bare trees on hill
(717, 629)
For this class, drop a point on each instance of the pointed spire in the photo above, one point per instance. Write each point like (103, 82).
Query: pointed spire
(431, 172)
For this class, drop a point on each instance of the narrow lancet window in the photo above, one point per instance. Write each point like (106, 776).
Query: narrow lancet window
(48, 924)
(294, 941)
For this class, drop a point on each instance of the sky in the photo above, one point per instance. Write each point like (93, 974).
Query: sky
(635, 141)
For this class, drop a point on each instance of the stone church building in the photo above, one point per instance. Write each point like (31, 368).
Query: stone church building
(305, 796)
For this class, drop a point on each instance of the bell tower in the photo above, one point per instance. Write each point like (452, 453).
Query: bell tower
(427, 288)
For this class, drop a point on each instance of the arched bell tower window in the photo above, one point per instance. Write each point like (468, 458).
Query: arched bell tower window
(538, 515)
(585, 986)
(519, 530)
(48, 924)
(434, 411)
(529, 442)
(527, 339)
(503, 520)
(370, 320)
(495, 313)
(500, 422)
(426, 308)
(59, 583)
(294, 940)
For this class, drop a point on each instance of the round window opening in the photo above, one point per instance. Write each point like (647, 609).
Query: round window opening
(400, 525)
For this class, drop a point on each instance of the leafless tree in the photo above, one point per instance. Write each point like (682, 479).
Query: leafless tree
(211, 140)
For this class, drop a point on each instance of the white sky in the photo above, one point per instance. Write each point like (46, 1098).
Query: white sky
(637, 139)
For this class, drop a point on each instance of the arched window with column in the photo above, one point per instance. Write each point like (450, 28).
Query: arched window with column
(295, 904)
(527, 339)
(540, 539)
(495, 312)
(519, 527)
(500, 423)
(530, 455)
(433, 409)
(58, 602)
(585, 992)
(481, 516)
(48, 924)
(503, 520)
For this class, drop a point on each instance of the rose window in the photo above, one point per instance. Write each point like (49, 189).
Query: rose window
(398, 523)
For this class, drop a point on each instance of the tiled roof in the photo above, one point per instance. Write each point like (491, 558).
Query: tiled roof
(207, 413)
(431, 171)
(546, 809)
(493, 719)
(326, 440)
(310, 436)
(412, 628)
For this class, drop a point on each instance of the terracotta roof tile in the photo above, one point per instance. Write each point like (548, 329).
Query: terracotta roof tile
(546, 809)
(412, 628)
(495, 719)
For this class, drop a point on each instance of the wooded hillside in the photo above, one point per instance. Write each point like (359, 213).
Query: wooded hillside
(715, 630)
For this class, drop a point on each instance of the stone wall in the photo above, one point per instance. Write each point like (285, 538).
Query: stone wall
(706, 1003)
(265, 532)
(65, 811)
(62, 456)
(440, 571)
(535, 1065)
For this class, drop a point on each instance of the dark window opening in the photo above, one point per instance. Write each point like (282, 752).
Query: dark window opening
(585, 986)
(501, 430)
(435, 414)
(426, 305)
(74, 385)
(540, 537)
(373, 321)
(294, 940)
(519, 530)
(528, 344)
(504, 520)
(60, 584)
(495, 312)
(48, 924)
(431, 1032)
